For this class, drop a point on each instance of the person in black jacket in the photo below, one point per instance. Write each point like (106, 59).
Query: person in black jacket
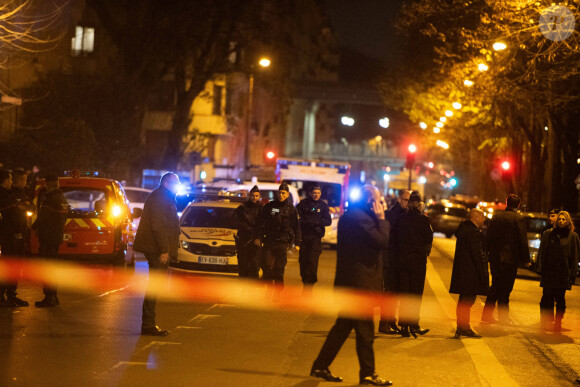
(248, 236)
(12, 231)
(279, 230)
(558, 264)
(388, 322)
(363, 236)
(469, 277)
(414, 239)
(158, 238)
(314, 216)
(507, 243)
(49, 226)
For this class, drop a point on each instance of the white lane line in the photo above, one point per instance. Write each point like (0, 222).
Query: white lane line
(489, 369)
(159, 344)
(186, 327)
(202, 317)
(222, 306)
(127, 363)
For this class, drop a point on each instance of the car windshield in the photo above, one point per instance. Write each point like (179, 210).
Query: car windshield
(219, 217)
(536, 225)
(85, 201)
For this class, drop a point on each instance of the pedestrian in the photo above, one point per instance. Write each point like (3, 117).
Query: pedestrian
(49, 226)
(248, 235)
(279, 230)
(12, 231)
(507, 243)
(314, 216)
(414, 240)
(388, 322)
(24, 195)
(558, 264)
(469, 277)
(552, 216)
(158, 239)
(363, 237)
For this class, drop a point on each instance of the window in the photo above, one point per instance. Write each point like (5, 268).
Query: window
(84, 41)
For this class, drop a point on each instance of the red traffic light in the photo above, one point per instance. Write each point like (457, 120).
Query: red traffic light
(505, 165)
(412, 148)
(270, 155)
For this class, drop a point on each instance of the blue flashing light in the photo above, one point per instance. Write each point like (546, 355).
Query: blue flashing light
(355, 194)
(453, 182)
(202, 175)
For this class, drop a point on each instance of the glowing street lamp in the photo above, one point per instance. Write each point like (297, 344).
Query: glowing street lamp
(263, 62)
(456, 105)
(384, 122)
(436, 130)
(498, 46)
(423, 125)
(347, 121)
(439, 124)
(482, 67)
(468, 83)
(448, 113)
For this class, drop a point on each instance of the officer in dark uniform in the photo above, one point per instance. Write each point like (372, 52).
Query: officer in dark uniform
(49, 226)
(23, 194)
(248, 236)
(12, 229)
(314, 216)
(279, 228)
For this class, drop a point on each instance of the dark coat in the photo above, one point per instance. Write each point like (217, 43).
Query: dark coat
(246, 220)
(507, 239)
(362, 238)
(159, 230)
(558, 258)
(51, 219)
(279, 223)
(414, 239)
(10, 223)
(469, 275)
(314, 216)
(392, 215)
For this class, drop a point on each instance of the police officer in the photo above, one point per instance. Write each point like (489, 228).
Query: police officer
(248, 236)
(314, 216)
(49, 226)
(12, 229)
(279, 229)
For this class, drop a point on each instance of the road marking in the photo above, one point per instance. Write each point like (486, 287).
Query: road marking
(222, 306)
(160, 344)
(489, 369)
(128, 363)
(202, 317)
(187, 327)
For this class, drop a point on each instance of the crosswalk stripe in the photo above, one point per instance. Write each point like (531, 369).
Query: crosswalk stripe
(489, 369)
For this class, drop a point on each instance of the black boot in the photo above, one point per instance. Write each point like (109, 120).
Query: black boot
(48, 302)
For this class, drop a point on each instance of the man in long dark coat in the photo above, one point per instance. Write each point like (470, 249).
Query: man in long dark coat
(158, 238)
(248, 236)
(469, 277)
(414, 239)
(363, 236)
(508, 248)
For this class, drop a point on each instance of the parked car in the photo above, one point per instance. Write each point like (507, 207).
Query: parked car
(137, 197)
(536, 223)
(207, 238)
(445, 217)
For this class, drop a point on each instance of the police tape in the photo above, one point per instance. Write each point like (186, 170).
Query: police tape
(179, 286)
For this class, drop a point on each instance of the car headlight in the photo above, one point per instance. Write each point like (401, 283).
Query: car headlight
(116, 210)
(534, 243)
(184, 245)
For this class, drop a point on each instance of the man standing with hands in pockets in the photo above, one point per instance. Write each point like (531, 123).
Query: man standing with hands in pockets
(158, 238)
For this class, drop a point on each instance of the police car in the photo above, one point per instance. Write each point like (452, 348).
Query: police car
(99, 226)
(207, 238)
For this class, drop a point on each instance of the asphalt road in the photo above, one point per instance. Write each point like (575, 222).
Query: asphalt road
(93, 339)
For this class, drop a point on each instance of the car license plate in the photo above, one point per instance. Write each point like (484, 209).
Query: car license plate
(213, 260)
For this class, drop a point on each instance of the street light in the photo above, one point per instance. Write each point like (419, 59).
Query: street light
(411, 161)
(498, 46)
(468, 83)
(423, 125)
(456, 105)
(263, 62)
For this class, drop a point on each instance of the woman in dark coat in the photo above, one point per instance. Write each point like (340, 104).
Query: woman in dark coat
(469, 277)
(558, 263)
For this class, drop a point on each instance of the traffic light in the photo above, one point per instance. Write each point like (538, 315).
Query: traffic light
(505, 165)
(411, 156)
(270, 157)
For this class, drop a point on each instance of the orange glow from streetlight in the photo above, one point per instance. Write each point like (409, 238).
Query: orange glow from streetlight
(264, 62)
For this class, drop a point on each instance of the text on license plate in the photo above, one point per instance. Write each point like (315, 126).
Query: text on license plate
(213, 260)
